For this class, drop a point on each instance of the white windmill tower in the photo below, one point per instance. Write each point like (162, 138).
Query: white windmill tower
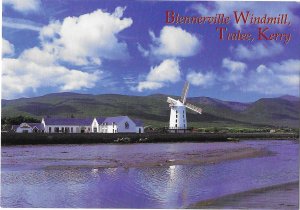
(178, 122)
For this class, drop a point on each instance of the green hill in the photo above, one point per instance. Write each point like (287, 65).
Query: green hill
(154, 110)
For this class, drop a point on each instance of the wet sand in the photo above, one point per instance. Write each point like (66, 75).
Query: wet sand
(194, 158)
(283, 196)
(159, 159)
(128, 156)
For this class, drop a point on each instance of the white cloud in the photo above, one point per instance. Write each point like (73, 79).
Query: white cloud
(8, 48)
(257, 51)
(201, 79)
(173, 42)
(144, 52)
(83, 40)
(50, 32)
(236, 70)
(258, 8)
(166, 72)
(233, 66)
(150, 85)
(21, 75)
(275, 78)
(38, 56)
(23, 24)
(88, 38)
(291, 66)
(24, 6)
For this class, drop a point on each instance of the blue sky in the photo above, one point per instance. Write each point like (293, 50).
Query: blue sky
(126, 47)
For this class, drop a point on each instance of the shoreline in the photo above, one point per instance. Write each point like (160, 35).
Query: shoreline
(281, 196)
(129, 138)
(131, 156)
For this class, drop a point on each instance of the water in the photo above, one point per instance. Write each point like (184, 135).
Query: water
(72, 176)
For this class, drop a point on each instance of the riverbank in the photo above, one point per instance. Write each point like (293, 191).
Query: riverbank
(96, 138)
(136, 155)
(154, 175)
(283, 196)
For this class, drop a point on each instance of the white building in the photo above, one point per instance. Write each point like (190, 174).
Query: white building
(119, 124)
(178, 122)
(28, 128)
(67, 125)
(178, 116)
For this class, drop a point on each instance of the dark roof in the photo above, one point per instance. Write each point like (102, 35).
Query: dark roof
(138, 122)
(100, 120)
(110, 120)
(68, 121)
(117, 119)
(39, 126)
(88, 122)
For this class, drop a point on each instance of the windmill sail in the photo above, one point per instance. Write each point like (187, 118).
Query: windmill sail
(171, 101)
(184, 92)
(193, 108)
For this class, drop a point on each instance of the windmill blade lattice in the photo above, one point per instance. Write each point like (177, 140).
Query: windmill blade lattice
(184, 92)
(193, 108)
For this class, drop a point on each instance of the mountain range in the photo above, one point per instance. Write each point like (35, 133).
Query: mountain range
(154, 111)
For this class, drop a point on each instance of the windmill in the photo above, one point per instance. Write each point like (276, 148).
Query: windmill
(178, 120)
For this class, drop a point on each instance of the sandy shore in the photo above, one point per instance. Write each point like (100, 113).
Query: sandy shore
(213, 155)
(283, 196)
(127, 156)
(203, 158)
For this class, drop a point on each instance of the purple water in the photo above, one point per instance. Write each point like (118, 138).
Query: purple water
(39, 176)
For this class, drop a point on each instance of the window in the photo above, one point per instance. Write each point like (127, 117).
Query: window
(71, 129)
(95, 130)
(176, 120)
(67, 129)
(56, 130)
(82, 130)
(49, 129)
(126, 125)
(176, 125)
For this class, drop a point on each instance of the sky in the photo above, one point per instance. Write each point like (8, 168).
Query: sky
(126, 47)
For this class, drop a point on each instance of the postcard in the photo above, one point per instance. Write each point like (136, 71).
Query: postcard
(150, 104)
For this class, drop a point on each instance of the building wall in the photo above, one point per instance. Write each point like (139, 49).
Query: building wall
(124, 126)
(107, 128)
(95, 126)
(139, 129)
(24, 130)
(178, 118)
(67, 129)
(121, 126)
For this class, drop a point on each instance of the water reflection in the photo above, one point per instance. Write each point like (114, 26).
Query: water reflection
(171, 186)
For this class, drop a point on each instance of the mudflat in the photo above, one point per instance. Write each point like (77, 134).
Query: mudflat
(283, 196)
(133, 155)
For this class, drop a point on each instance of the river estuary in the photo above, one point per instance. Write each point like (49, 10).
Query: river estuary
(92, 176)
